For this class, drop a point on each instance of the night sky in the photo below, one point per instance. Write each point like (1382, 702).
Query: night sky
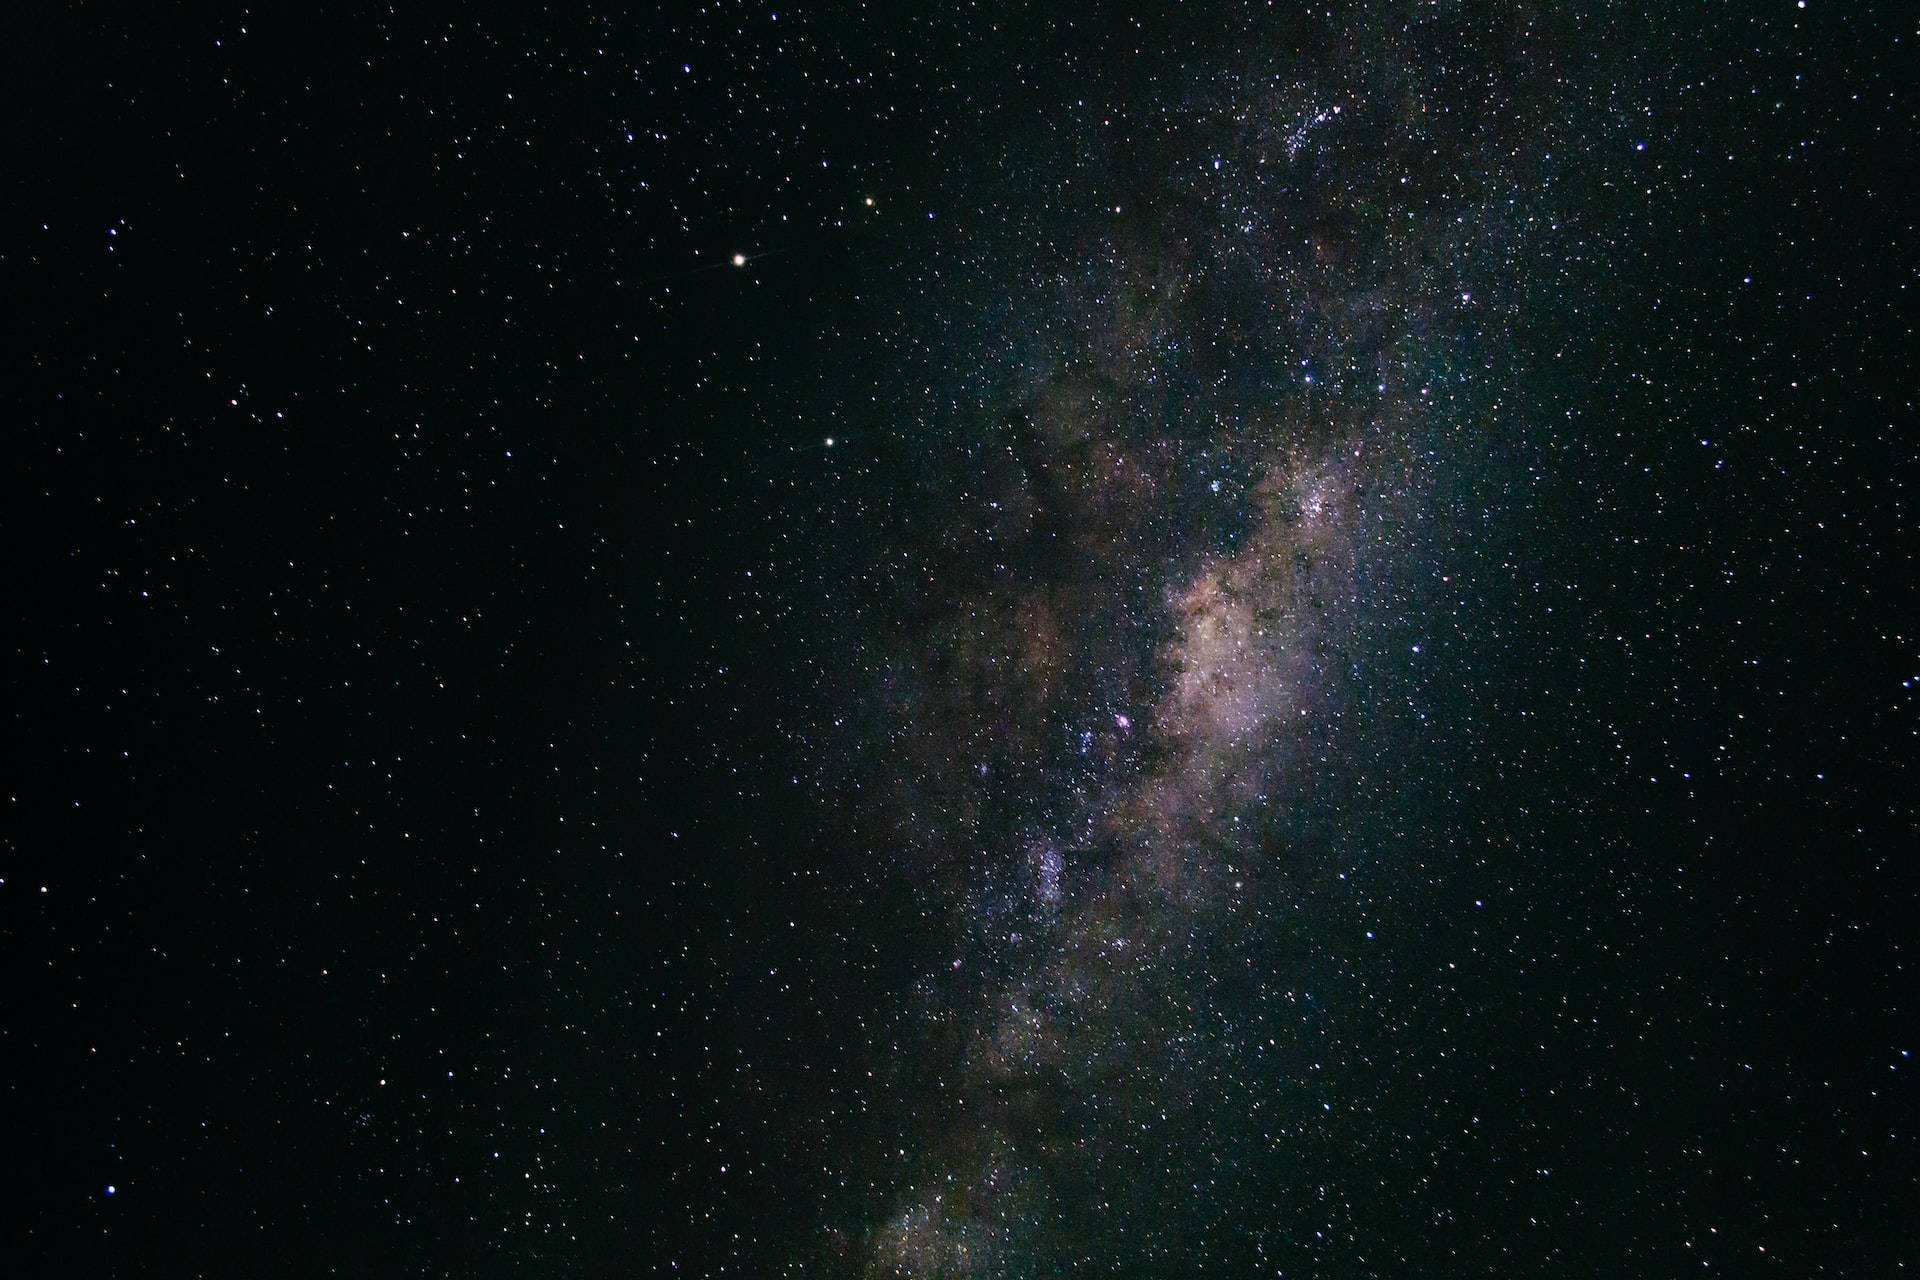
(962, 641)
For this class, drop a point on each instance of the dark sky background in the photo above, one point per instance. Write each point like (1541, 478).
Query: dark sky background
(1239, 641)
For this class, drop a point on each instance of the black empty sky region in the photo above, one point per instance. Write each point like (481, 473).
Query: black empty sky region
(962, 641)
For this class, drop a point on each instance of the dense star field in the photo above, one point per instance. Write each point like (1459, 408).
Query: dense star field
(1096, 640)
